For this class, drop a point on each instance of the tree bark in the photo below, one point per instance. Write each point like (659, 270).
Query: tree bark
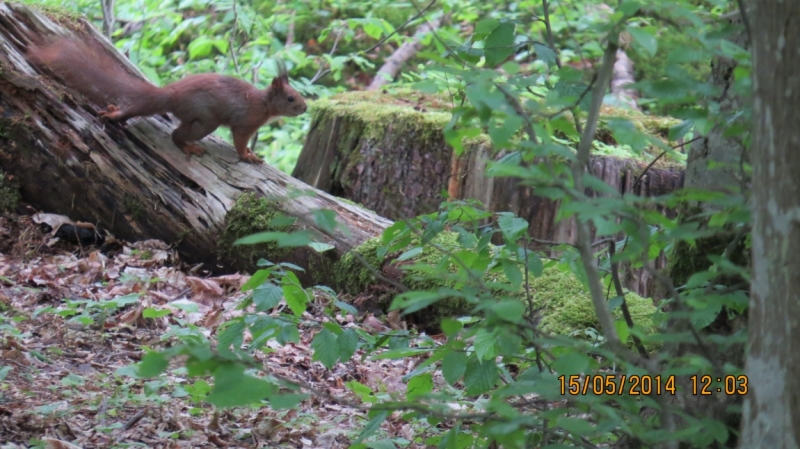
(131, 179)
(771, 413)
(713, 164)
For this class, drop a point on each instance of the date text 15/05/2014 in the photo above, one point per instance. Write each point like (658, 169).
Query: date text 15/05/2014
(619, 384)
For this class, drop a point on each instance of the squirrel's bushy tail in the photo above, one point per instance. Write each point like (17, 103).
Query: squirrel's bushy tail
(89, 69)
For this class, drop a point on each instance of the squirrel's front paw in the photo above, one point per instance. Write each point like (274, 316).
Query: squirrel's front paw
(191, 148)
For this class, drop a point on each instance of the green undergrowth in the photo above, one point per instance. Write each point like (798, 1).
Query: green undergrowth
(560, 299)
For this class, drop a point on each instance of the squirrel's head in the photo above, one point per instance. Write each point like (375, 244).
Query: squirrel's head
(283, 98)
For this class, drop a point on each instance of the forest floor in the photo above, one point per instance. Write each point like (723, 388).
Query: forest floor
(72, 324)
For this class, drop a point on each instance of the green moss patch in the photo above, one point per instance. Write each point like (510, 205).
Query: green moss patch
(9, 194)
(565, 303)
(250, 215)
(370, 113)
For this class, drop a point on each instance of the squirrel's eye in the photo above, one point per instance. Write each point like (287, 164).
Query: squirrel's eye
(291, 98)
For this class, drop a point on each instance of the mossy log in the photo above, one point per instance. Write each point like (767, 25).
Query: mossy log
(131, 179)
(387, 151)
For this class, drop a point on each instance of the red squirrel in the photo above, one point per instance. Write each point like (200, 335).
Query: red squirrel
(201, 102)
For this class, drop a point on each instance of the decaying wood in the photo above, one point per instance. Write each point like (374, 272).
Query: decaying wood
(131, 179)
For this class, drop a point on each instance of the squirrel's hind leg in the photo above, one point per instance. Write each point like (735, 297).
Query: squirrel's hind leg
(192, 131)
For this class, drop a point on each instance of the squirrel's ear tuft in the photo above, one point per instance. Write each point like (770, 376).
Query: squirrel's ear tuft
(277, 83)
(283, 74)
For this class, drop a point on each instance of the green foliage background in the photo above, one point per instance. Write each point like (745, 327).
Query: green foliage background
(523, 84)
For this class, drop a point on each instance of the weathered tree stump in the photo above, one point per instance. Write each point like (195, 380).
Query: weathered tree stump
(388, 153)
(131, 179)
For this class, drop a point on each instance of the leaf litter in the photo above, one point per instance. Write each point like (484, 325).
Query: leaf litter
(63, 370)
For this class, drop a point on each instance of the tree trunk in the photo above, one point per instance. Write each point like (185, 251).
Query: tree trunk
(131, 179)
(389, 154)
(771, 413)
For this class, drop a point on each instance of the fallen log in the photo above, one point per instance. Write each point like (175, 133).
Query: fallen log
(132, 180)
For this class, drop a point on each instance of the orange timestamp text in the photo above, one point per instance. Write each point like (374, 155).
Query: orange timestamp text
(613, 384)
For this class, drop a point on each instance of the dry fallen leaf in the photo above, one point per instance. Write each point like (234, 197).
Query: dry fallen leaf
(373, 324)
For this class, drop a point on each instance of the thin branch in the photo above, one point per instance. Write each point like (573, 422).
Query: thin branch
(108, 17)
(322, 69)
(650, 165)
(626, 313)
(232, 40)
(254, 140)
(578, 169)
(415, 17)
(550, 39)
(520, 112)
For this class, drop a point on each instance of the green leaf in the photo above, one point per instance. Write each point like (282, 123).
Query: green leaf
(486, 344)
(202, 46)
(681, 129)
(535, 265)
(382, 444)
(419, 385)
(480, 376)
(373, 425)
(294, 294)
(511, 226)
(155, 313)
(512, 272)
(615, 302)
(546, 54)
(399, 353)
(511, 310)
(454, 365)
(153, 364)
(450, 326)
(232, 388)
(326, 349)
(426, 86)
(410, 253)
(499, 45)
(348, 343)
(288, 334)
(321, 247)
(373, 27)
(347, 308)
(572, 363)
(232, 335)
(256, 279)
(325, 219)
(414, 300)
(286, 401)
(266, 296)
(486, 26)
(644, 38)
(622, 330)
(362, 391)
(576, 426)
(283, 239)
(120, 301)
